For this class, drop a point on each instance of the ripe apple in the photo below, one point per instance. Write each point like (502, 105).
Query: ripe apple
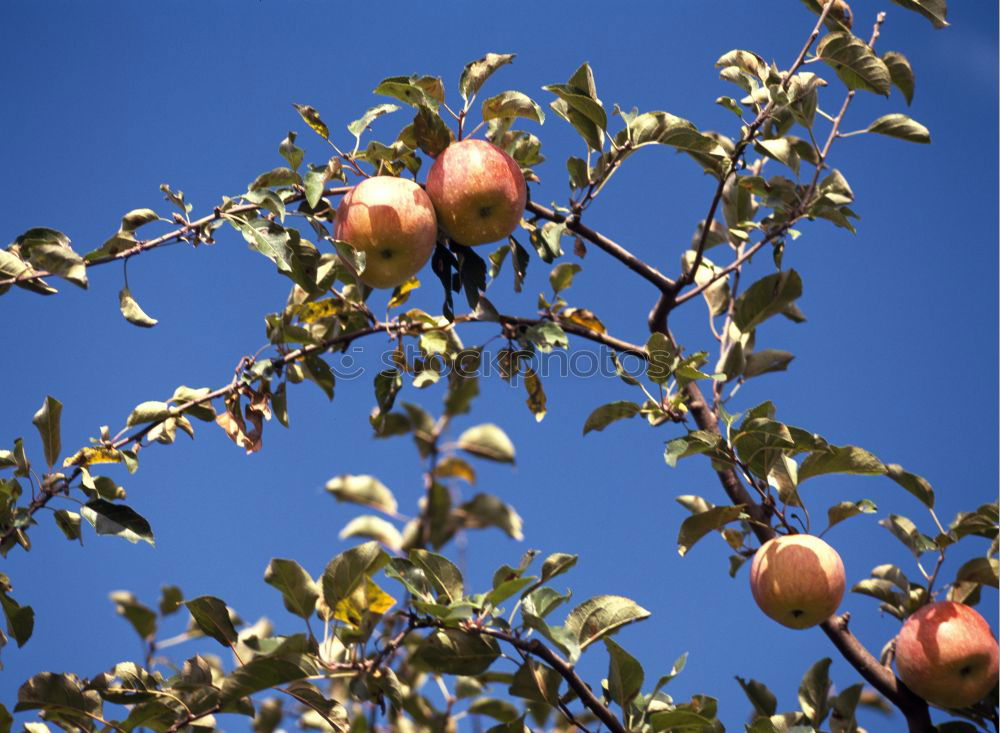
(392, 221)
(947, 655)
(797, 580)
(478, 192)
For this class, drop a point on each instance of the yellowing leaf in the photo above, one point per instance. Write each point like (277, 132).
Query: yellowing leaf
(402, 293)
(318, 310)
(367, 597)
(91, 456)
(312, 118)
(585, 318)
(454, 467)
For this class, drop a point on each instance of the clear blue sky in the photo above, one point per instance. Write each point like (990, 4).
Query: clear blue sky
(105, 101)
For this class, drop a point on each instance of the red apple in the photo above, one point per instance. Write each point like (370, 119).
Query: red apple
(392, 221)
(947, 655)
(797, 580)
(478, 192)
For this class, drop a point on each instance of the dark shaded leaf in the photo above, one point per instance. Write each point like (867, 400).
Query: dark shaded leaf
(298, 590)
(117, 519)
(47, 420)
(212, 617)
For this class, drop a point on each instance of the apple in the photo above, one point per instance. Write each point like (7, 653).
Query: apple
(797, 580)
(392, 221)
(478, 192)
(947, 655)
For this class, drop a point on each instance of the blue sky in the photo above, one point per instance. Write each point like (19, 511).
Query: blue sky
(899, 354)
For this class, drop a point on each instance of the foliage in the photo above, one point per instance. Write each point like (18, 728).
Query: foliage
(395, 613)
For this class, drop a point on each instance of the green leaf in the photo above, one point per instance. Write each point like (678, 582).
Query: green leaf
(557, 564)
(132, 312)
(847, 509)
(264, 673)
(562, 276)
(298, 590)
(142, 618)
(765, 361)
(855, 62)
(625, 675)
(475, 73)
(60, 260)
(443, 573)
(69, 523)
(906, 532)
(901, 73)
(500, 710)
(600, 616)
(578, 104)
(698, 525)
(781, 150)
(979, 570)
(47, 422)
(902, 127)
(485, 510)
(212, 617)
(148, 412)
(680, 721)
(450, 651)
(171, 599)
(936, 11)
(844, 706)
(763, 700)
(841, 459)
(814, 691)
(512, 104)
(20, 619)
(289, 151)
(536, 682)
(117, 519)
(916, 485)
(373, 528)
(361, 124)
(348, 569)
(675, 670)
(62, 698)
(487, 441)
(275, 178)
(609, 413)
(692, 444)
(364, 490)
(765, 298)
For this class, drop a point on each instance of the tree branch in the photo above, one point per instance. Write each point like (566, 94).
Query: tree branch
(163, 239)
(565, 670)
(651, 274)
(881, 678)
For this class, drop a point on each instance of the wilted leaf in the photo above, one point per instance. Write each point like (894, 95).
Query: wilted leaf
(476, 73)
(132, 312)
